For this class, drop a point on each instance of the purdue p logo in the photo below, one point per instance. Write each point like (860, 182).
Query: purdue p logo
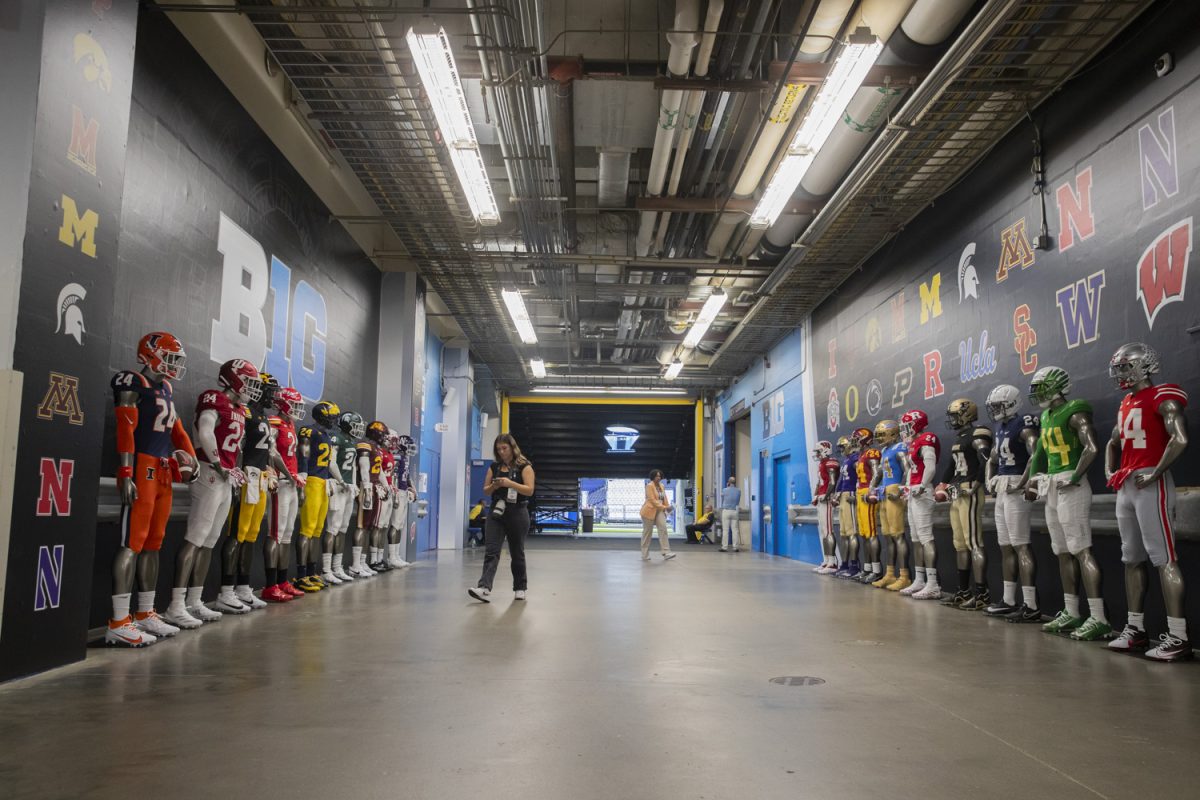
(62, 399)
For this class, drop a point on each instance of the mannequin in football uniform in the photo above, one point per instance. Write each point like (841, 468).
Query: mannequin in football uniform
(824, 499)
(1015, 439)
(286, 497)
(382, 519)
(402, 495)
(887, 489)
(259, 460)
(321, 475)
(350, 428)
(368, 498)
(923, 449)
(1066, 448)
(962, 481)
(847, 517)
(148, 430)
(220, 425)
(868, 511)
(1151, 434)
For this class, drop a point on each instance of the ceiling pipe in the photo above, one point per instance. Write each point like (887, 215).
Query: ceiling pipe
(683, 41)
(564, 72)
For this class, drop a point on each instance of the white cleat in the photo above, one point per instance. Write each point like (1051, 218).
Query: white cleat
(248, 598)
(367, 571)
(154, 625)
(359, 573)
(913, 589)
(342, 575)
(931, 592)
(126, 634)
(180, 618)
(204, 613)
(228, 603)
(331, 578)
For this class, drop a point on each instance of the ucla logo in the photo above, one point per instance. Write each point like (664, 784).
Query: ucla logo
(975, 364)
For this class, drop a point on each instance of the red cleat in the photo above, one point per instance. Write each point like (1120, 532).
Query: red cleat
(275, 594)
(290, 589)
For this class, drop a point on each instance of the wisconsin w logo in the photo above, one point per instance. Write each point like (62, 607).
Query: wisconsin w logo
(1079, 305)
(1162, 269)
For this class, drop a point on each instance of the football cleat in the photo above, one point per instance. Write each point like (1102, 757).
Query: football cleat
(331, 579)
(123, 633)
(248, 599)
(343, 576)
(914, 587)
(931, 592)
(1026, 615)
(1001, 609)
(828, 569)
(180, 618)
(958, 598)
(1130, 640)
(1063, 622)
(150, 622)
(290, 588)
(204, 613)
(302, 585)
(277, 594)
(1091, 630)
(228, 603)
(900, 584)
(1171, 648)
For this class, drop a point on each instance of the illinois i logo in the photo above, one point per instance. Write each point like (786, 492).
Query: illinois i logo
(1015, 250)
(62, 399)
(1079, 305)
(1162, 269)
(968, 278)
(899, 331)
(54, 499)
(832, 359)
(874, 335)
(1024, 339)
(70, 315)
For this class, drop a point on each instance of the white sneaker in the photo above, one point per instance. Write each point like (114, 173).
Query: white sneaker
(737, 549)
(126, 634)
(358, 573)
(204, 613)
(180, 618)
(367, 571)
(724, 549)
(645, 558)
(479, 593)
(828, 569)
(153, 624)
(248, 598)
(343, 576)
(402, 563)
(931, 592)
(228, 603)
(913, 589)
(668, 556)
(519, 594)
(331, 578)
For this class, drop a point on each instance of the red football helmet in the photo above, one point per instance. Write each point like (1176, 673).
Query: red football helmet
(290, 403)
(913, 422)
(861, 437)
(163, 354)
(241, 377)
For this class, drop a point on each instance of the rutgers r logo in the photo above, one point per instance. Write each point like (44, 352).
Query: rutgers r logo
(1162, 269)
(61, 399)
(54, 498)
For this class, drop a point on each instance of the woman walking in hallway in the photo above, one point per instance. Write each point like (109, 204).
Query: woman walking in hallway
(654, 513)
(510, 483)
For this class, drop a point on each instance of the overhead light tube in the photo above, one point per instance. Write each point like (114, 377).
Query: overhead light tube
(604, 390)
(439, 74)
(674, 370)
(712, 307)
(844, 79)
(520, 315)
(538, 367)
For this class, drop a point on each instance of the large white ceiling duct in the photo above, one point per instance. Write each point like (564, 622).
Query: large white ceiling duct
(929, 22)
(612, 177)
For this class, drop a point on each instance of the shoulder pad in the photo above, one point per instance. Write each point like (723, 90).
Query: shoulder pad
(872, 453)
(1171, 391)
(1077, 407)
(1030, 421)
(274, 422)
(982, 433)
(129, 381)
(305, 432)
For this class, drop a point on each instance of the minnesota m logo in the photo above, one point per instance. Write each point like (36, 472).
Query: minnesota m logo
(931, 298)
(1015, 250)
(1079, 305)
(77, 229)
(62, 399)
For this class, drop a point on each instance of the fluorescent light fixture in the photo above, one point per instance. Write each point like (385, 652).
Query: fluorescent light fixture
(712, 307)
(674, 370)
(519, 314)
(538, 367)
(604, 390)
(435, 64)
(845, 78)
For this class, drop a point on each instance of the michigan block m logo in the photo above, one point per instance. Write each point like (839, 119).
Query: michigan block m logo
(1079, 305)
(78, 229)
(1162, 269)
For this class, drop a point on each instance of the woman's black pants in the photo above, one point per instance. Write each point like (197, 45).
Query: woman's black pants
(514, 526)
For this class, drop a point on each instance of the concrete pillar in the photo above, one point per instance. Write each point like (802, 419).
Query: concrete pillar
(454, 480)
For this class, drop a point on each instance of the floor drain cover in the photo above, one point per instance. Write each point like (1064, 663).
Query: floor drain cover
(798, 680)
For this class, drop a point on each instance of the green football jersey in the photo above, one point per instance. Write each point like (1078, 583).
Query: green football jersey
(346, 457)
(1058, 445)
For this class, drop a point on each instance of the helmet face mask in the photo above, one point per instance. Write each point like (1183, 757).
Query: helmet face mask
(822, 451)
(861, 438)
(326, 413)
(270, 387)
(352, 425)
(290, 403)
(1049, 384)
(887, 432)
(845, 445)
(913, 422)
(1002, 402)
(378, 433)
(162, 354)
(1132, 364)
(241, 377)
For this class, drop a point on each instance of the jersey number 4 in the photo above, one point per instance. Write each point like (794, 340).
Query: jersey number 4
(1006, 454)
(1053, 441)
(1131, 429)
(960, 462)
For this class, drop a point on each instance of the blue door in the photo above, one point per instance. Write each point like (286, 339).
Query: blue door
(779, 504)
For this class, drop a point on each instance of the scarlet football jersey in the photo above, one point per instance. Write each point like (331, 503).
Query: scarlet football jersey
(865, 469)
(823, 469)
(231, 425)
(387, 467)
(155, 412)
(286, 443)
(1144, 436)
(922, 440)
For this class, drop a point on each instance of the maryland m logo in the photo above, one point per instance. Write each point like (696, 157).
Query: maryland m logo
(1079, 304)
(1015, 250)
(1162, 269)
(77, 229)
(62, 399)
(84, 133)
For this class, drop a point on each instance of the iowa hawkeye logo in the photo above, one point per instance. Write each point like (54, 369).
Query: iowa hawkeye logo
(1162, 269)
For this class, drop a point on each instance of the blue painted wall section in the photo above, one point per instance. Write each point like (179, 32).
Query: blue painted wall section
(773, 391)
(431, 441)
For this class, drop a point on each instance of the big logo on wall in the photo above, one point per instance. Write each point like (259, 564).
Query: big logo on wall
(253, 287)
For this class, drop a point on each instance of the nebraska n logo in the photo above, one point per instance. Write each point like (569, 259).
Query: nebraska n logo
(48, 591)
(1162, 269)
(1015, 250)
(54, 499)
(62, 399)
(1079, 305)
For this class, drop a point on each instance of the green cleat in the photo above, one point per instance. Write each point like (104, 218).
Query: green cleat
(1091, 630)
(1063, 623)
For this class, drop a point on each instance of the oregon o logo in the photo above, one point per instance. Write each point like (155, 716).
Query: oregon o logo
(852, 404)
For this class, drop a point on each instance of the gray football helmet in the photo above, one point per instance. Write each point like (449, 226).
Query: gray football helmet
(1002, 402)
(1133, 363)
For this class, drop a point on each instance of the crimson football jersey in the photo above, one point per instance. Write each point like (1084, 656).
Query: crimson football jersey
(865, 469)
(823, 469)
(231, 424)
(155, 412)
(1144, 436)
(922, 440)
(286, 443)
(387, 467)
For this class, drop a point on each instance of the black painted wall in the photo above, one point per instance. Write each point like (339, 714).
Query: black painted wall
(1136, 138)
(195, 155)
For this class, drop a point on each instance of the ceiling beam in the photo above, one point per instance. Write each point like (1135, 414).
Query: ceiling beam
(712, 205)
(799, 72)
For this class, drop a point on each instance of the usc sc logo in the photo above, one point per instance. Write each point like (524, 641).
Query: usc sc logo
(1025, 339)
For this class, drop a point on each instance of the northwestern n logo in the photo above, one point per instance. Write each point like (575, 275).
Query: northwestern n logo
(62, 399)
(1079, 305)
(1015, 250)
(1162, 269)
(1156, 154)
(48, 591)
(54, 499)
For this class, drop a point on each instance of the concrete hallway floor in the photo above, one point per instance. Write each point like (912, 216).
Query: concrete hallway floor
(617, 679)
